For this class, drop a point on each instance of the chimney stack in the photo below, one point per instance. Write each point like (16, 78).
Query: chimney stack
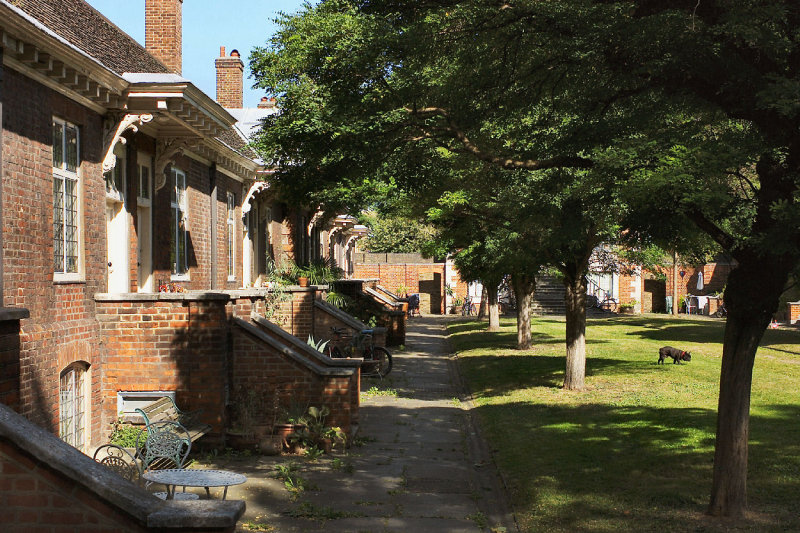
(230, 71)
(266, 103)
(163, 33)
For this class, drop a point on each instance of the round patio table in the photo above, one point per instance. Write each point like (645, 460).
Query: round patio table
(173, 477)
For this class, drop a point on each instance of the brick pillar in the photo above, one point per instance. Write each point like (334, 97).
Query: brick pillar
(163, 33)
(229, 79)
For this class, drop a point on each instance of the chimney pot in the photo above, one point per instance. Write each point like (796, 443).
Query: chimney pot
(221, 51)
(234, 53)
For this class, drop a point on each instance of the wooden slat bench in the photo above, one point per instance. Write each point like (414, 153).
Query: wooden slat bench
(165, 410)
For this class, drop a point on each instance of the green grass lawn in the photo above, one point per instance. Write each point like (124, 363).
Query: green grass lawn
(634, 451)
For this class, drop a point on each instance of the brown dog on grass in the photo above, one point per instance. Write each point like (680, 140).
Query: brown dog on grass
(676, 354)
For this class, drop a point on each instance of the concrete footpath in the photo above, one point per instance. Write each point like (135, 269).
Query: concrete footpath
(418, 464)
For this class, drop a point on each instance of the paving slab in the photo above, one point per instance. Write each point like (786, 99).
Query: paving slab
(418, 464)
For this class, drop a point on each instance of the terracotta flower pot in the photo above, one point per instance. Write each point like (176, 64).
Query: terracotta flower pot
(302, 281)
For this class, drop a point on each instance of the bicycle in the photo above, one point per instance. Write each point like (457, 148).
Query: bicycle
(608, 304)
(468, 308)
(377, 359)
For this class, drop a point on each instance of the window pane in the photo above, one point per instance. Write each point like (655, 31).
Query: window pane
(71, 225)
(72, 147)
(58, 224)
(173, 241)
(181, 243)
(173, 195)
(58, 145)
(144, 182)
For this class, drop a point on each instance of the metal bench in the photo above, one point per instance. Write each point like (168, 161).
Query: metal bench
(165, 410)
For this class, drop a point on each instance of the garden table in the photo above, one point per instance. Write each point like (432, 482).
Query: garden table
(172, 477)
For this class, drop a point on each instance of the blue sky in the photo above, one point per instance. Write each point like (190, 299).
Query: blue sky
(207, 25)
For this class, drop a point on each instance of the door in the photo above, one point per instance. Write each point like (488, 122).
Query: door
(117, 236)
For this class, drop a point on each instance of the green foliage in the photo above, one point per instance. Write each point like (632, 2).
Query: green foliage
(124, 434)
(390, 234)
(317, 345)
(645, 431)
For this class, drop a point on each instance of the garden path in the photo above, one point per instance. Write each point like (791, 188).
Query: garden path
(419, 463)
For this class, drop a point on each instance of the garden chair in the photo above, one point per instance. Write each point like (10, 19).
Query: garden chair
(164, 445)
(691, 304)
(122, 462)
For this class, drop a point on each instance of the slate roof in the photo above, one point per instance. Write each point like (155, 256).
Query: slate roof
(88, 30)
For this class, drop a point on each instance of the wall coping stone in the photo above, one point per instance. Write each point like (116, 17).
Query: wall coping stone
(351, 321)
(109, 486)
(190, 296)
(13, 313)
(317, 368)
(197, 514)
(301, 345)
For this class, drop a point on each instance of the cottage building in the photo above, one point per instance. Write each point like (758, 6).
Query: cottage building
(120, 180)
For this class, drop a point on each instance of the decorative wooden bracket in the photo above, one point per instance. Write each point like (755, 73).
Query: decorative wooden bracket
(316, 218)
(114, 135)
(167, 150)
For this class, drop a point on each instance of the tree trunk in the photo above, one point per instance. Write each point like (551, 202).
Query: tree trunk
(494, 308)
(675, 284)
(575, 302)
(482, 309)
(523, 286)
(751, 297)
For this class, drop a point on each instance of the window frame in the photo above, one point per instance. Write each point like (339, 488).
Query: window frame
(144, 162)
(64, 175)
(76, 377)
(178, 204)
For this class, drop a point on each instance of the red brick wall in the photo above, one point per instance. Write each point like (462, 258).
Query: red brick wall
(37, 498)
(423, 278)
(179, 345)
(61, 329)
(198, 185)
(794, 312)
(257, 367)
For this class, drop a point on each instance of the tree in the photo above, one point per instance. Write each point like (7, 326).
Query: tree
(692, 106)
(395, 233)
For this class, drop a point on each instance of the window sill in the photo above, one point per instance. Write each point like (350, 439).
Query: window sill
(180, 277)
(67, 279)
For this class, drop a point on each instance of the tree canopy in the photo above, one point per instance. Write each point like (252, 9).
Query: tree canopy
(680, 117)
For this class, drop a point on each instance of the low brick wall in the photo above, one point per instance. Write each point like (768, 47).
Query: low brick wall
(47, 485)
(166, 342)
(282, 378)
(199, 345)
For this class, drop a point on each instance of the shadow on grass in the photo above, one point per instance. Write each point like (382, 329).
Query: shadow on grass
(598, 467)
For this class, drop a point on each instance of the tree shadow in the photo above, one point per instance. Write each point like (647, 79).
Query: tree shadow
(600, 467)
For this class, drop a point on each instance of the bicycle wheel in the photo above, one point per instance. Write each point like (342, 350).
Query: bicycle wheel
(610, 304)
(381, 363)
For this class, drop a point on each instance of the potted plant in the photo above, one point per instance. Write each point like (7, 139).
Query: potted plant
(627, 308)
(315, 434)
(289, 421)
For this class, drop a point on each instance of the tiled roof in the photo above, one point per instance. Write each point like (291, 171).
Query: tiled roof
(83, 26)
(235, 141)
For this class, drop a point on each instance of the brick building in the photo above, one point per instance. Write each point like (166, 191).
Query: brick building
(120, 178)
